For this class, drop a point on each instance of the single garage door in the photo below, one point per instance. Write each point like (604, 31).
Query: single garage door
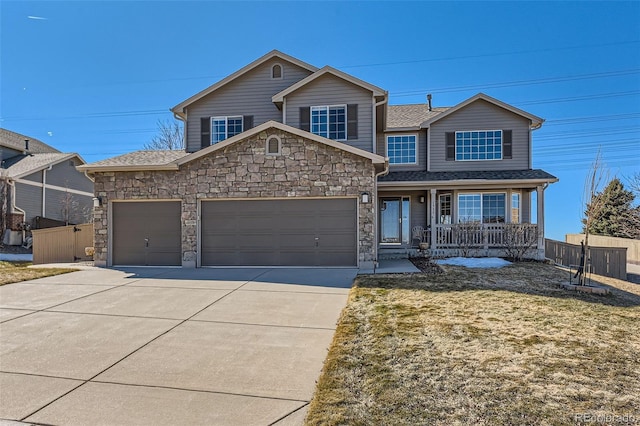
(302, 232)
(146, 233)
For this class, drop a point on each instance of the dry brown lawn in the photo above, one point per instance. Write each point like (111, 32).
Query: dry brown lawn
(484, 347)
(13, 272)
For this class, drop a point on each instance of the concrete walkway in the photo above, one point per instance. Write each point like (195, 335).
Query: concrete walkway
(392, 266)
(167, 346)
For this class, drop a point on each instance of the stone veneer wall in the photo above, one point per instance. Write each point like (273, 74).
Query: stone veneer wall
(304, 168)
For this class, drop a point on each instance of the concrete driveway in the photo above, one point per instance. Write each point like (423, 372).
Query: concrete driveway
(155, 346)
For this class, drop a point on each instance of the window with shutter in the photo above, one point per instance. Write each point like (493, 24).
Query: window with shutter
(450, 148)
(477, 145)
(352, 121)
(507, 146)
(205, 132)
(329, 121)
(305, 119)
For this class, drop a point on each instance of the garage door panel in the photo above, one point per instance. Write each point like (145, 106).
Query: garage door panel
(295, 232)
(147, 233)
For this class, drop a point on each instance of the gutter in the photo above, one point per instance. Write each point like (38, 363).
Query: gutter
(184, 128)
(466, 182)
(384, 172)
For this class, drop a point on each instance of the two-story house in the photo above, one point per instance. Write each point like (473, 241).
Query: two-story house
(287, 164)
(39, 185)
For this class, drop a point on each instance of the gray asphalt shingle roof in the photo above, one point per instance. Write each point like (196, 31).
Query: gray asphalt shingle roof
(143, 158)
(15, 141)
(424, 176)
(22, 165)
(400, 116)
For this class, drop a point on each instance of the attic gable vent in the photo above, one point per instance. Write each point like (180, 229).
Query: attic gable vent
(276, 72)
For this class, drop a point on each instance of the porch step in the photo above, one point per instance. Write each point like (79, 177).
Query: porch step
(397, 253)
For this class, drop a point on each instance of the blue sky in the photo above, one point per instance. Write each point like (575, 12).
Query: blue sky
(94, 77)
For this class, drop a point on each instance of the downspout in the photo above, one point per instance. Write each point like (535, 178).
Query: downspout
(375, 212)
(375, 124)
(12, 184)
(44, 188)
(184, 133)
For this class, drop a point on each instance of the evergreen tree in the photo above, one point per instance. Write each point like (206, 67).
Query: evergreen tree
(615, 208)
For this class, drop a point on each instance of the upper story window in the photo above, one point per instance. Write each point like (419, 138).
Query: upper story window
(224, 127)
(329, 121)
(481, 208)
(402, 149)
(276, 72)
(478, 145)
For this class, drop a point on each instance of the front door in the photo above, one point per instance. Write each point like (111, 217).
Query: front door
(394, 220)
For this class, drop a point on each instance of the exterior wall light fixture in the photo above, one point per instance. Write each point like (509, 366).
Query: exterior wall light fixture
(365, 197)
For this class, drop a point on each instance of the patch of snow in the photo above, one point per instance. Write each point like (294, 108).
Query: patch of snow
(13, 257)
(475, 262)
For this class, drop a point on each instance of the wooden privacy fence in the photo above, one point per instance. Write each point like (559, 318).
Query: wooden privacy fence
(633, 246)
(63, 244)
(606, 261)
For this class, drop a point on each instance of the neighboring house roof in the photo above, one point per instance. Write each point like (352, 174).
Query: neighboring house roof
(172, 160)
(462, 177)
(411, 116)
(279, 97)
(178, 109)
(15, 141)
(536, 121)
(24, 165)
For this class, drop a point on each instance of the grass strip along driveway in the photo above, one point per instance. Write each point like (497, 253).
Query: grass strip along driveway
(486, 346)
(13, 272)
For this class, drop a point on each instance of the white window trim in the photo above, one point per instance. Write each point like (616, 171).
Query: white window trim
(386, 148)
(519, 194)
(281, 71)
(326, 107)
(507, 202)
(455, 156)
(279, 145)
(226, 126)
(439, 216)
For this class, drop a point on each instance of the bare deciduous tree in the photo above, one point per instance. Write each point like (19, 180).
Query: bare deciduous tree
(170, 136)
(596, 179)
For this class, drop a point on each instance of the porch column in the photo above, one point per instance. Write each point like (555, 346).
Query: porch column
(432, 198)
(540, 197)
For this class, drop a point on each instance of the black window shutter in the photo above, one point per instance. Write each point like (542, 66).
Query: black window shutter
(506, 144)
(450, 138)
(205, 132)
(305, 118)
(247, 122)
(352, 121)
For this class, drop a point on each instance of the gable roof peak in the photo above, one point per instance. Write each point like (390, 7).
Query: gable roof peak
(536, 121)
(179, 109)
(327, 69)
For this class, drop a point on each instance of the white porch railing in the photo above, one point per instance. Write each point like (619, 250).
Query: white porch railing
(486, 235)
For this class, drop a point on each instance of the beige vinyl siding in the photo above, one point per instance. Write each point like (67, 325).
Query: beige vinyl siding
(331, 90)
(249, 94)
(29, 199)
(65, 175)
(481, 115)
(422, 150)
(34, 177)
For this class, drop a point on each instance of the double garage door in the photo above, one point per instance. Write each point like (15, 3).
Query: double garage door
(294, 232)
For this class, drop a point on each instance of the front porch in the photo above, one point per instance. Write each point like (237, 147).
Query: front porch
(475, 220)
(515, 240)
